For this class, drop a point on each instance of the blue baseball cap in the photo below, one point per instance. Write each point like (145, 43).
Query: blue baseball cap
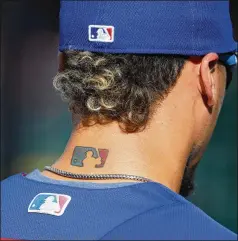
(147, 27)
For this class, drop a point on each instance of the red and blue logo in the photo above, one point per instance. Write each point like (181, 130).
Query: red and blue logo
(49, 203)
(101, 33)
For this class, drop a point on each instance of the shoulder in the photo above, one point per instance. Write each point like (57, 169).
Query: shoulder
(11, 187)
(12, 182)
(182, 221)
(17, 188)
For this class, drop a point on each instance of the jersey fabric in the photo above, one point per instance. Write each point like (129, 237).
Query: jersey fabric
(141, 211)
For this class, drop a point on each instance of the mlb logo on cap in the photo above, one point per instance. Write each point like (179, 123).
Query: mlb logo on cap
(49, 203)
(101, 33)
(146, 27)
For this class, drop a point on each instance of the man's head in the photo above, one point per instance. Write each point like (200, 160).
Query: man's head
(129, 88)
(138, 72)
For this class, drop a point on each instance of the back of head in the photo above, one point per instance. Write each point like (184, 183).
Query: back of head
(101, 88)
(158, 68)
(122, 58)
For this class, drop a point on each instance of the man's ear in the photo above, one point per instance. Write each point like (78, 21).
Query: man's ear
(207, 82)
(61, 59)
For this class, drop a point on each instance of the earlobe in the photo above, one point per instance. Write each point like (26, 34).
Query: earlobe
(207, 81)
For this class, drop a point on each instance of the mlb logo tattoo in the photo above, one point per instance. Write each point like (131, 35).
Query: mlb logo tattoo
(89, 157)
(100, 33)
(49, 203)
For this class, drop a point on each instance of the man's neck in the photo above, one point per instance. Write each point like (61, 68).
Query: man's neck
(145, 154)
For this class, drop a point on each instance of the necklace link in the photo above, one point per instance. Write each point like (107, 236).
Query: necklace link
(95, 176)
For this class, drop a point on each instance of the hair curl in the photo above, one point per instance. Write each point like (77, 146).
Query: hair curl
(101, 88)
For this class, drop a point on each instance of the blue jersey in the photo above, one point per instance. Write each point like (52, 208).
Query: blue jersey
(34, 210)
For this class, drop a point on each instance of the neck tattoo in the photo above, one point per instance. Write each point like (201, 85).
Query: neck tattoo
(94, 158)
(89, 157)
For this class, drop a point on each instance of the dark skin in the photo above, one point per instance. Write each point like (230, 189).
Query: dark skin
(170, 147)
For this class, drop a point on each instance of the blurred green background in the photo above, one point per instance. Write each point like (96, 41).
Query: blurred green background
(35, 124)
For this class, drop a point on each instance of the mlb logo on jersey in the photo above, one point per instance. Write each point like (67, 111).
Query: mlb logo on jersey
(49, 203)
(101, 33)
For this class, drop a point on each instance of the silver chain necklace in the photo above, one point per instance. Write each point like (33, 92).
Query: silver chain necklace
(95, 176)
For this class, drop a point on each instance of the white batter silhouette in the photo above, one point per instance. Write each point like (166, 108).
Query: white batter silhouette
(49, 205)
(103, 35)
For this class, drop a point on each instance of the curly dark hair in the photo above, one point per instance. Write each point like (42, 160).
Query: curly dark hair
(101, 88)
